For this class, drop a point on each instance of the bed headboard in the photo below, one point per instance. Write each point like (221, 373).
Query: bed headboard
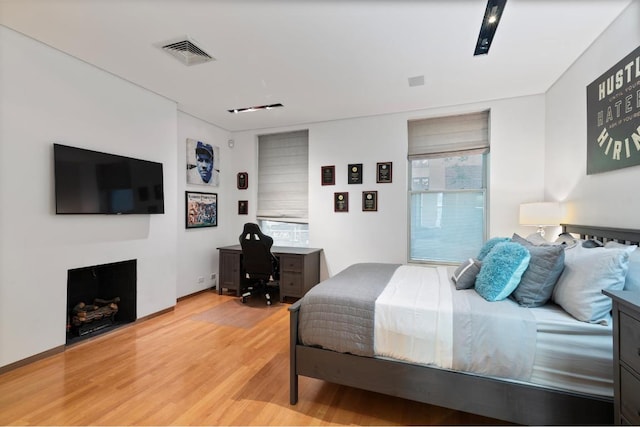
(603, 234)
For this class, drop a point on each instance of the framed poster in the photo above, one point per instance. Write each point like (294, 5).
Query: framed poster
(369, 201)
(203, 163)
(384, 172)
(243, 180)
(243, 207)
(613, 117)
(328, 175)
(201, 209)
(341, 202)
(355, 173)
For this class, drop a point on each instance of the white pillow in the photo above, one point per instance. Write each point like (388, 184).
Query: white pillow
(587, 271)
(632, 281)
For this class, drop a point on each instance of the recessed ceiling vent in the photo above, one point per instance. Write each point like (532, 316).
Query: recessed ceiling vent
(187, 51)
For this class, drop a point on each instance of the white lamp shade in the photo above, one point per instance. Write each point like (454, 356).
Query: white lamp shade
(540, 213)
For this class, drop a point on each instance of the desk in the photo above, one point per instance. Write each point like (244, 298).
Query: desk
(299, 269)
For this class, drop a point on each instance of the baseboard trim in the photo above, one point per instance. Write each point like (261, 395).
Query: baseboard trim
(196, 293)
(62, 348)
(31, 359)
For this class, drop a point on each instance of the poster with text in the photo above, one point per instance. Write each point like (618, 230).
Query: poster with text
(613, 117)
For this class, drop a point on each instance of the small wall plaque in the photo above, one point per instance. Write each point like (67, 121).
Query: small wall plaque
(341, 202)
(243, 207)
(369, 201)
(243, 180)
(355, 173)
(328, 175)
(384, 172)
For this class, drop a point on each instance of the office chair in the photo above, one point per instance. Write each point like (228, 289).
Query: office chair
(260, 265)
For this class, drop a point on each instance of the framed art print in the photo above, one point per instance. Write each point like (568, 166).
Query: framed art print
(328, 175)
(203, 163)
(201, 209)
(369, 201)
(384, 172)
(341, 202)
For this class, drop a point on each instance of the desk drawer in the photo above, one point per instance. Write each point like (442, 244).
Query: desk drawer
(291, 283)
(630, 396)
(630, 341)
(291, 263)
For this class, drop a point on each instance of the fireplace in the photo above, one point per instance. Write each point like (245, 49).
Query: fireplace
(100, 298)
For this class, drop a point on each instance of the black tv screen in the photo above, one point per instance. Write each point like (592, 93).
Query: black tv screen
(91, 182)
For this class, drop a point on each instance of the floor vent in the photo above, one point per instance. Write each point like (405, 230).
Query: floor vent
(187, 52)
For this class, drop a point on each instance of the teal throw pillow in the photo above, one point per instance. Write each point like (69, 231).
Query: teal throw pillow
(502, 270)
(488, 245)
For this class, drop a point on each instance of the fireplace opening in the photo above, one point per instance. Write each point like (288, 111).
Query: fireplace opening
(100, 298)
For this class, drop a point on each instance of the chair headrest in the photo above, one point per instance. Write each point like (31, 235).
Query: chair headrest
(251, 231)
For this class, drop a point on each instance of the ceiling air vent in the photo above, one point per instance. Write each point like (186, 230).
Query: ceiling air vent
(187, 51)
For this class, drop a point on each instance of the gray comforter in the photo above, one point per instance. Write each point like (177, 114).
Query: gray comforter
(339, 315)
(488, 338)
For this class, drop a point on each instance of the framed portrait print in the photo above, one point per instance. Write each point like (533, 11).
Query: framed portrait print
(201, 209)
(369, 201)
(341, 202)
(384, 172)
(355, 173)
(243, 207)
(243, 180)
(203, 163)
(328, 175)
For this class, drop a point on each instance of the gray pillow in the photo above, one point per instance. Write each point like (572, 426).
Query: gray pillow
(587, 271)
(539, 279)
(465, 275)
(632, 280)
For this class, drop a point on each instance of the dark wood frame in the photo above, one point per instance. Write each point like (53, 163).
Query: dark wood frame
(375, 201)
(380, 180)
(328, 170)
(491, 397)
(242, 180)
(243, 207)
(354, 177)
(336, 201)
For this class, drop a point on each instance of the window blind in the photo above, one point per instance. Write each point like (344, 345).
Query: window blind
(283, 177)
(449, 134)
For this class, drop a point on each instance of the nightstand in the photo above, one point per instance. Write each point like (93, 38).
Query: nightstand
(626, 356)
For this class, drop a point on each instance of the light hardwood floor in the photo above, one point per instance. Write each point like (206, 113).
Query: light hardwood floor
(185, 368)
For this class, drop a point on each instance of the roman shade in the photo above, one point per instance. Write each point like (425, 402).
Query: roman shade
(283, 177)
(439, 135)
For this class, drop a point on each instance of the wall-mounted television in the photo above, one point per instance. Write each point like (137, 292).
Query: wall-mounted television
(91, 182)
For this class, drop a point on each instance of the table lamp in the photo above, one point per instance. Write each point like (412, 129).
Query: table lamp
(540, 214)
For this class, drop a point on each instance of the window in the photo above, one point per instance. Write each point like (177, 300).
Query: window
(283, 181)
(286, 233)
(447, 191)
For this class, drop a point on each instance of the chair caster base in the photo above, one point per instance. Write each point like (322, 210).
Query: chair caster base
(245, 296)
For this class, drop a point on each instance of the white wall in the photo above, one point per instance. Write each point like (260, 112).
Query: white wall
(606, 199)
(516, 175)
(196, 252)
(47, 97)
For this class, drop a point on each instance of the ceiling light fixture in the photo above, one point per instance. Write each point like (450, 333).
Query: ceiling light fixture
(492, 16)
(258, 108)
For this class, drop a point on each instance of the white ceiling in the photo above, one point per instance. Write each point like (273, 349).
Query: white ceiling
(324, 60)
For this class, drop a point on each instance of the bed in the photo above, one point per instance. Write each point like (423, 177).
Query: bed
(539, 396)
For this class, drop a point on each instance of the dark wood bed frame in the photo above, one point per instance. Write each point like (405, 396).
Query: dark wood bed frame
(500, 399)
